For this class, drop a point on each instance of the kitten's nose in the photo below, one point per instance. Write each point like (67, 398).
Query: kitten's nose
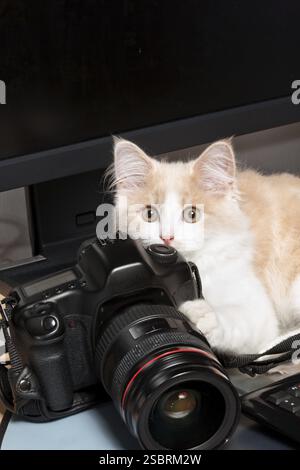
(167, 240)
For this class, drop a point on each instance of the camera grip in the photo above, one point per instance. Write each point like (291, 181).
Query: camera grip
(50, 365)
(49, 361)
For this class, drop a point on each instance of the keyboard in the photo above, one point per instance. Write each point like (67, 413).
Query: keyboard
(276, 406)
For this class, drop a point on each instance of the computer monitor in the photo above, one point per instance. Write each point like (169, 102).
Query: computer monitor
(166, 74)
(169, 74)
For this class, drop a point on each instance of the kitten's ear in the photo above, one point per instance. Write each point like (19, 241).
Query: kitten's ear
(131, 165)
(215, 168)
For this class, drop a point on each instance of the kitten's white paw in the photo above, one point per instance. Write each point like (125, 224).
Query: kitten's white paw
(201, 315)
(195, 309)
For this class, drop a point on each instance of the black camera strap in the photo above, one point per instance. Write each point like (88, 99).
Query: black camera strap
(5, 314)
(253, 364)
(5, 389)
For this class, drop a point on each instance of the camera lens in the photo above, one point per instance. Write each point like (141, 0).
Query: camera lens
(178, 404)
(165, 381)
(185, 418)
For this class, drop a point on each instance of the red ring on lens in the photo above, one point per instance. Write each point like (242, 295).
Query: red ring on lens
(149, 363)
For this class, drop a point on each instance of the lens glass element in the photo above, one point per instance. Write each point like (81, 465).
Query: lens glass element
(179, 404)
(187, 415)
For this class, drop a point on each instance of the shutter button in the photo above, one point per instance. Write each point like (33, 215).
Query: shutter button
(162, 253)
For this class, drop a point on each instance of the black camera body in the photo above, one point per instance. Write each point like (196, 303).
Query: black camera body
(113, 320)
(58, 319)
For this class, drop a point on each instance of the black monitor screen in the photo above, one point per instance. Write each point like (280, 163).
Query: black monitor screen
(76, 70)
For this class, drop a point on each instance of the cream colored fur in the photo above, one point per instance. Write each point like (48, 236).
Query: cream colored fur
(247, 250)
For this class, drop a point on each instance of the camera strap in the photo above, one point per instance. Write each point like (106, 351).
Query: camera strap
(253, 364)
(5, 314)
(5, 389)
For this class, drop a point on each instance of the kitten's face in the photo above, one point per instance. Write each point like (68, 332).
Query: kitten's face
(178, 204)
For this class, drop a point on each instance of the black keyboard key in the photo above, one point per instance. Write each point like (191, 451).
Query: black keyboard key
(284, 416)
(291, 404)
(277, 397)
(294, 390)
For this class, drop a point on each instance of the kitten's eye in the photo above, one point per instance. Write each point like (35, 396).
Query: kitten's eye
(150, 214)
(191, 214)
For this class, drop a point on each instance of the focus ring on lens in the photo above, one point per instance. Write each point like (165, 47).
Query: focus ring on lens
(154, 344)
(135, 312)
(115, 364)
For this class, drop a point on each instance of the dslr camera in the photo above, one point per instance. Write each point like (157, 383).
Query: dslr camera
(110, 325)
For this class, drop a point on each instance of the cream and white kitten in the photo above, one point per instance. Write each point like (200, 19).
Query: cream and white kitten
(245, 242)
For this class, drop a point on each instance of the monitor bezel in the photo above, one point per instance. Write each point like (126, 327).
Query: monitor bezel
(96, 153)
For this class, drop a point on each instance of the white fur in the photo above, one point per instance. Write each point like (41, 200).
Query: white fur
(216, 167)
(237, 314)
(131, 165)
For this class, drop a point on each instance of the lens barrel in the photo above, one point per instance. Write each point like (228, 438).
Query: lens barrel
(167, 384)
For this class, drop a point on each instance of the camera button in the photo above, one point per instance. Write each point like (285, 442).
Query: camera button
(25, 385)
(50, 323)
(162, 253)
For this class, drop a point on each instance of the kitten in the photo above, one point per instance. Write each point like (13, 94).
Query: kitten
(245, 242)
